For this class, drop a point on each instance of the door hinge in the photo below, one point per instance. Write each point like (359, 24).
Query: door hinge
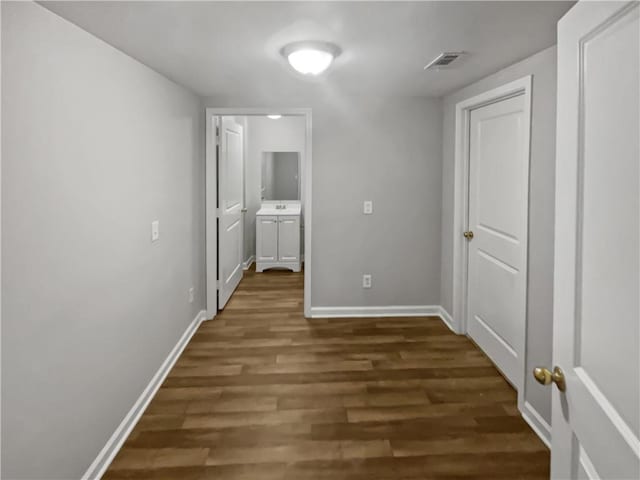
(219, 284)
(218, 212)
(217, 135)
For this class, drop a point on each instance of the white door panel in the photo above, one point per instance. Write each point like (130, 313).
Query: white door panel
(288, 239)
(498, 279)
(228, 262)
(267, 239)
(232, 174)
(488, 240)
(230, 227)
(497, 136)
(498, 173)
(596, 421)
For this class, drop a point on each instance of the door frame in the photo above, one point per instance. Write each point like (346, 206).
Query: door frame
(211, 194)
(521, 86)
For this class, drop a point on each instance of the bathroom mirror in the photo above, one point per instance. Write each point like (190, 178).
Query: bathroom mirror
(280, 176)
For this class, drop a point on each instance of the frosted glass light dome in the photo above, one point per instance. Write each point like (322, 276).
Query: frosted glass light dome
(310, 58)
(310, 62)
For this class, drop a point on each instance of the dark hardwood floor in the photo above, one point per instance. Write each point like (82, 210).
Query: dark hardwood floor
(262, 393)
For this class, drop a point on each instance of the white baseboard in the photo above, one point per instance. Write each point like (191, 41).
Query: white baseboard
(390, 311)
(247, 264)
(537, 423)
(446, 318)
(113, 445)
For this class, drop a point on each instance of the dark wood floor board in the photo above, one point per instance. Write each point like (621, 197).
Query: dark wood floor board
(406, 430)
(261, 393)
(225, 379)
(303, 389)
(403, 412)
(468, 466)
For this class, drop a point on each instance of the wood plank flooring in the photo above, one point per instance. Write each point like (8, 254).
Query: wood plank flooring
(262, 393)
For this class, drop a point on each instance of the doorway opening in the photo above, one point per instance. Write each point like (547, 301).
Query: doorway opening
(254, 157)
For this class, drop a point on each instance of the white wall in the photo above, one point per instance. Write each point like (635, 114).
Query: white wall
(541, 209)
(286, 134)
(95, 146)
(385, 149)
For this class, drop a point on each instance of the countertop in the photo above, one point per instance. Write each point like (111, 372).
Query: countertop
(272, 210)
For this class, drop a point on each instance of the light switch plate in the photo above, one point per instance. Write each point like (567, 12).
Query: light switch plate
(155, 230)
(368, 207)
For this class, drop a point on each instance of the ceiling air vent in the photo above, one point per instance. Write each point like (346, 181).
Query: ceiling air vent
(443, 60)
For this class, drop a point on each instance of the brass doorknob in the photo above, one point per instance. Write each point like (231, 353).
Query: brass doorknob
(468, 235)
(545, 377)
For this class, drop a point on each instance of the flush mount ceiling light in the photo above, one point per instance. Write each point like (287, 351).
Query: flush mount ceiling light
(274, 117)
(310, 58)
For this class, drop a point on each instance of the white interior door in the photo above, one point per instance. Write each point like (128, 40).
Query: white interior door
(230, 193)
(596, 313)
(498, 206)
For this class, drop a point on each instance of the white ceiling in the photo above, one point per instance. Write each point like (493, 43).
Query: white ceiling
(231, 48)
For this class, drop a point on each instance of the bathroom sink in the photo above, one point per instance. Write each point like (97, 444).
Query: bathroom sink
(277, 209)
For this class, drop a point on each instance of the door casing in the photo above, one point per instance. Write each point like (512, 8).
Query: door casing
(211, 194)
(463, 110)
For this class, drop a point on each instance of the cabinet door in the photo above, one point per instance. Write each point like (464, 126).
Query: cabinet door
(266, 239)
(288, 239)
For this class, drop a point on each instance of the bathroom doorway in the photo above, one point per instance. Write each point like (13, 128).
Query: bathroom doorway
(254, 157)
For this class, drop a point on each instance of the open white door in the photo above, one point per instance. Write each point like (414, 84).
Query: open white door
(596, 419)
(230, 225)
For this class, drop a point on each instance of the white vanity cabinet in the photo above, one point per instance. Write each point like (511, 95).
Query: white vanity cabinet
(278, 239)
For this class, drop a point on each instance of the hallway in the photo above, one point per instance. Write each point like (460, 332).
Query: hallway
(263, 393)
